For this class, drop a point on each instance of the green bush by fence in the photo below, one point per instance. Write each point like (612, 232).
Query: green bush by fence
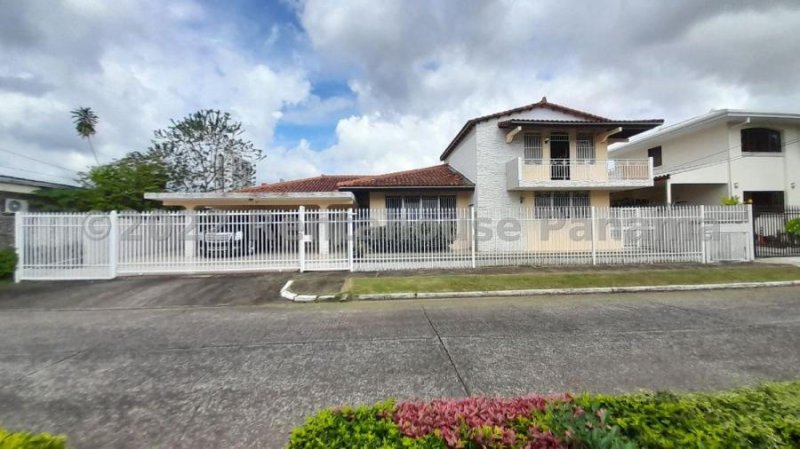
(406, 237)
(8, 263)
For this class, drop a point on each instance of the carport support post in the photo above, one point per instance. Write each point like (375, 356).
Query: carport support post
(350, 239)
(190, 227)
(301, 249)
(324, 246)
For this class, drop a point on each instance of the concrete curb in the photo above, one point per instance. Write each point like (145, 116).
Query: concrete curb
(288, 294)
(578, 291)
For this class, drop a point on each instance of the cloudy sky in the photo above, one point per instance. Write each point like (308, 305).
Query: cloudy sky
(365, 86)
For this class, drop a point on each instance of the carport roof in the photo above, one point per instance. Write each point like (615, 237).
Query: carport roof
(199, 199)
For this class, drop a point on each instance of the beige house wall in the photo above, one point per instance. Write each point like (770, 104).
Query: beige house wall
(568, 238)
(377, 204)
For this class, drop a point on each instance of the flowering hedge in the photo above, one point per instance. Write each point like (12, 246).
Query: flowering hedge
(763, 417)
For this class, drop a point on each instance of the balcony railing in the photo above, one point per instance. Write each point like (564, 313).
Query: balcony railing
(584, 173)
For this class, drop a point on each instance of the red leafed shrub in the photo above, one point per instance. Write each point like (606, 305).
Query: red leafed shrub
(489, 421)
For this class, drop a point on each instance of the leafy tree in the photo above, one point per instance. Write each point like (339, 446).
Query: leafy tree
(119, 185)
(205, 152)
(85, 121)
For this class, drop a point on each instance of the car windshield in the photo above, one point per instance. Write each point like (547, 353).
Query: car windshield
(226, 223)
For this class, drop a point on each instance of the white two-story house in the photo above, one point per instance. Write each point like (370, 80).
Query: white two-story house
(541, 160)
(541, 155)
(754, 156)
(546, 155)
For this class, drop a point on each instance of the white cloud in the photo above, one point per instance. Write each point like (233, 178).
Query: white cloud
(427, 70)
(416, 73)
(138, 64)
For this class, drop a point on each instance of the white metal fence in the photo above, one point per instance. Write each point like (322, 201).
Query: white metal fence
(97, 246)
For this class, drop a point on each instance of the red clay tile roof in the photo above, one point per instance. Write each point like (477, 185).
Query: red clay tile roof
(436, 176)
(323, 183)
(543, 103)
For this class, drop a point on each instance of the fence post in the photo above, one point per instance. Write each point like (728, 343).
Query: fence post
(113, 244)
(703, 234)
(751, 241)
(350, 239)
(301, 250)
(473, 235)
(19, 245)
(594, 235)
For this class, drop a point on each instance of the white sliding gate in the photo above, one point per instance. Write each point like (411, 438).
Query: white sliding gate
(103, 246)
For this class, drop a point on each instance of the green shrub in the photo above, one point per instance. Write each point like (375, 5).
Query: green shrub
(8, 263)
(414, 237)
(24, 440)
(730, 201)
(347, 427)
(793, 227)
(764, 417)
(767, 416)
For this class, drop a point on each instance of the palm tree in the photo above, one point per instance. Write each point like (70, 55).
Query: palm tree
(85, 119)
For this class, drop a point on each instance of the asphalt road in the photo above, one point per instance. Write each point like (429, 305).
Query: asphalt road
(241, 376)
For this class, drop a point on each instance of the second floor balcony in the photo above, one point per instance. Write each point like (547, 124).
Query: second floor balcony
(528, 174)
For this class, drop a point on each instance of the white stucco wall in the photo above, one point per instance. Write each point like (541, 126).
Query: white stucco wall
(493, 153)
(463, 157)
(702, 156)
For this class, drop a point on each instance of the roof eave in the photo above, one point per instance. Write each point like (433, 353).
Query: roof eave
(175, 196)
(361, 188)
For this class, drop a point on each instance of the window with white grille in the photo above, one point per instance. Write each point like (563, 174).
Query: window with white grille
(585, 147)
(414, 207)
(533, 148)
(571, 204)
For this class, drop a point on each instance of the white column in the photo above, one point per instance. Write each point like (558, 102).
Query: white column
(593, 218)
(113, 244)
(19, 244)
(191, 238)
(301, 249)
(324, 245)
(473, 222)
(703, 256)
(668, 184)
(350, 239)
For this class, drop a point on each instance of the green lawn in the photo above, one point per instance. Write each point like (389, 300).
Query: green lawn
(550, 279)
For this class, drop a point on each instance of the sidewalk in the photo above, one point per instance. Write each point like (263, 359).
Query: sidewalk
(780, 261)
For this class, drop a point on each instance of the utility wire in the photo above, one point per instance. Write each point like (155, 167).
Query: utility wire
(37, 172)
(38, 160)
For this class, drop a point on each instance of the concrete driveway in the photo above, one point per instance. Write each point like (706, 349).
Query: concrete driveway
(241, 376)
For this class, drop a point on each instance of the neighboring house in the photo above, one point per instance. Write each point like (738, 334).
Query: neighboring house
(16, 193)
(752, 155)
(541, 155)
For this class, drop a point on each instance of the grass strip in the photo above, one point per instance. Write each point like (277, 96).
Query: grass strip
(496, 282)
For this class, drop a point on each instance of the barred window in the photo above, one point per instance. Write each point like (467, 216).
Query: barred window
(562, 204)
(533, 148)
(415, 207)
(585, 147)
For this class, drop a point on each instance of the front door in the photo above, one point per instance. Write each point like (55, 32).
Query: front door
(559, 157)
